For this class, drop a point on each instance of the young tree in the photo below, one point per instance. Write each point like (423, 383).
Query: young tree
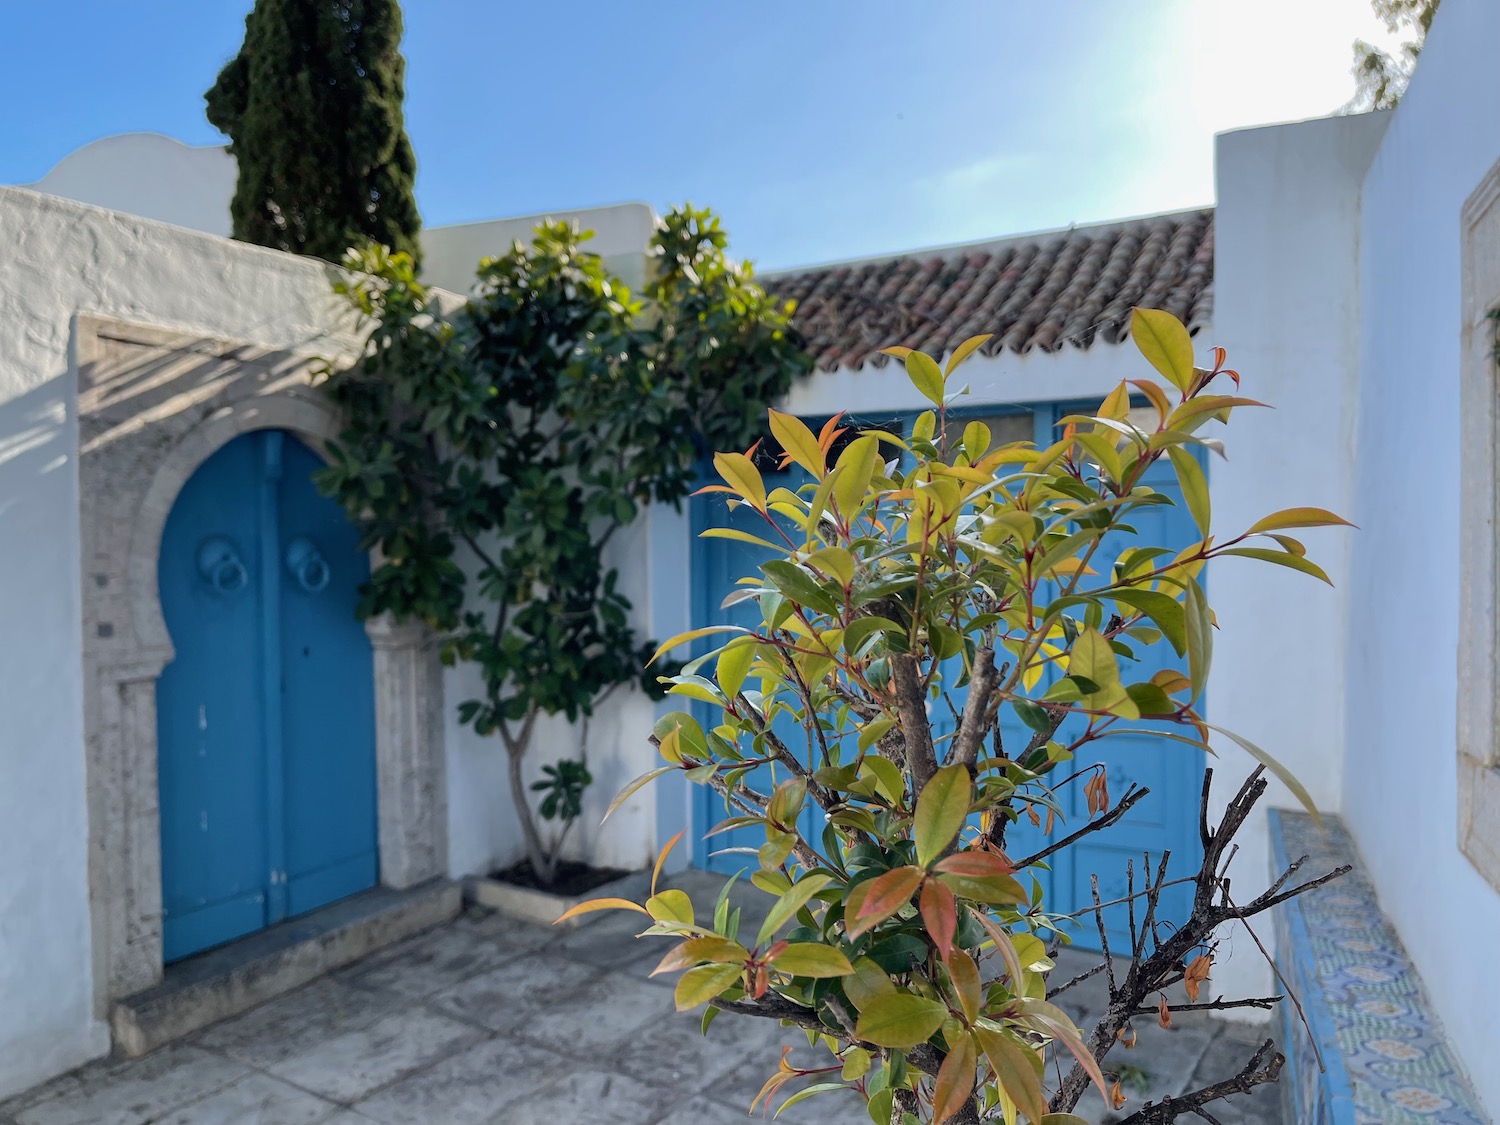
(1381, 77)
(524, 431)
(312, 108)
(902, 936)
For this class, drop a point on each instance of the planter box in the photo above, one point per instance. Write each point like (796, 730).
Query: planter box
(544, 908)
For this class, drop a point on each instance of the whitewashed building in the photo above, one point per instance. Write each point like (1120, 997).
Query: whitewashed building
(1348, 265)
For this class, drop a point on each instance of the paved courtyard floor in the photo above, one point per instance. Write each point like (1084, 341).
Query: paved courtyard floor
(488, 1020)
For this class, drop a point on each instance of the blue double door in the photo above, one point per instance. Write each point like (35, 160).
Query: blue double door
(1165, 821)
(265, 717)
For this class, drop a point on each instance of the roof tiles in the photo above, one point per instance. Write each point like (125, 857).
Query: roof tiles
(1043, 291)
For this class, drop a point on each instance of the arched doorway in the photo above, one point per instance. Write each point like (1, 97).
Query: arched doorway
(266, 715)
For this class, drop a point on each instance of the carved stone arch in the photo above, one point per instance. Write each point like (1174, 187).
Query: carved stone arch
(153, 406)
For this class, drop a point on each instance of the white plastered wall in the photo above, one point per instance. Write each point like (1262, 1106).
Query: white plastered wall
(1286, 302)
(1400, 784)
(63, 259)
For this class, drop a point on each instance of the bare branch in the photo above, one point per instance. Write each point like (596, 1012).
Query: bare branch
(1114, 814)
(1258, 1071)
(911, 703)
(979, 709)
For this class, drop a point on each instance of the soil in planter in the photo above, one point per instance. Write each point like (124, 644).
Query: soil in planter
(573, 879)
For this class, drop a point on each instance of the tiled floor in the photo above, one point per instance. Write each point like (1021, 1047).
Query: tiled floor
(492, 1021)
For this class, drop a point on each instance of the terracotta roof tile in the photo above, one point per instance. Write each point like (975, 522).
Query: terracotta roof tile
(1044, 291)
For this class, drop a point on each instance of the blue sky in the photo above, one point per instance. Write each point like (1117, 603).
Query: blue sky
(819, 129)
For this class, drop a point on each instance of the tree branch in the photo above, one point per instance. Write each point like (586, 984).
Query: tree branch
(911, 704)
(1258, 1071)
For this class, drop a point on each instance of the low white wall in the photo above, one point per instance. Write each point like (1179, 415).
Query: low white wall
(484, 833)
(63, 258)
(1400, 787)
(621, 233)
(1286, 307)
(149, 175)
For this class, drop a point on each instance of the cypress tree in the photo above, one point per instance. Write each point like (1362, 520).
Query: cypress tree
(312, 108)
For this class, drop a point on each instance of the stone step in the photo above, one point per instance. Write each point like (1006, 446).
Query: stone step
(224, 982)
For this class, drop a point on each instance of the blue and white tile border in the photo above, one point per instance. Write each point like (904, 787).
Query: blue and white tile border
(1385, 1057)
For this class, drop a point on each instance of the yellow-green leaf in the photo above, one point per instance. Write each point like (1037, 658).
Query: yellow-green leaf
(857, 468)
(1093, 659)
(625, 794)
(704, 983)
(791, 902)
(964, 351)
(734, 663)
(691, 635)
(740, 473)
(1285, 775)
(1200, 637)
(1015, 1070)
(926, 376)
(670, 905)
(868, 983)
(1297, 517)
(899, 1020)
(1281, 558)
(1166, 344)
(941, 808)
(1194, 485)
(798, 441)
(594, 904)
(967, 986)
(810, 959)
(856, 1064)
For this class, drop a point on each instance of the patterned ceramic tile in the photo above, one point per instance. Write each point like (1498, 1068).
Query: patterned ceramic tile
(1387, 1062)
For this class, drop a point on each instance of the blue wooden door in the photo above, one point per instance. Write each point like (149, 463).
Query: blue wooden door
(721, 562)
(266, 756)
(1165, 821)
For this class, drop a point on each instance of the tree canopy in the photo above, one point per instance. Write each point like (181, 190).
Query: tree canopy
(312, 108)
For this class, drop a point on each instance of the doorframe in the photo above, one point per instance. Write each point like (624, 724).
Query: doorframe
(153, 405)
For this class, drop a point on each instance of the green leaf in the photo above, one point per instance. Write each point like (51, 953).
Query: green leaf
(733, 666)
(926, 376)
(1280, 558)
(1164, 610)
(961, 353)
(900, 1020)
(799, 586)
(1166, 344)
(807, 1092)
(1091, 658)
(1200, 637)
(625, 794)
(870, 733)
(740, 536)
(1194, 486)
(1015, 1070)
(692, 635)
(1297, 517)
(791, 902)
(811, 959)
(705, 982)
(1032, 714)
(670, 905)
(942, 807)
(861, 629)
(1282, 773)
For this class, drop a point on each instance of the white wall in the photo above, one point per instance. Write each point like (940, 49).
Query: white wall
(160, 178)
(149, 175)
(621, 232)
(1400, 785)
(1286, 306)
(63, 258)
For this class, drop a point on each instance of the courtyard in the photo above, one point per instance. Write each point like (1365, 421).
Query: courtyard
(489, 1020)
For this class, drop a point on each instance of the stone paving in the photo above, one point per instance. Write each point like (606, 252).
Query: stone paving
(487, 1020)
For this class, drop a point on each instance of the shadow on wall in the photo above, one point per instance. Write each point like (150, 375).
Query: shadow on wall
(33, 438)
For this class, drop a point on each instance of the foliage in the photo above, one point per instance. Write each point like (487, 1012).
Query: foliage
(526, 429)
(312, 108)
(1381, 77)
(928, 582)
